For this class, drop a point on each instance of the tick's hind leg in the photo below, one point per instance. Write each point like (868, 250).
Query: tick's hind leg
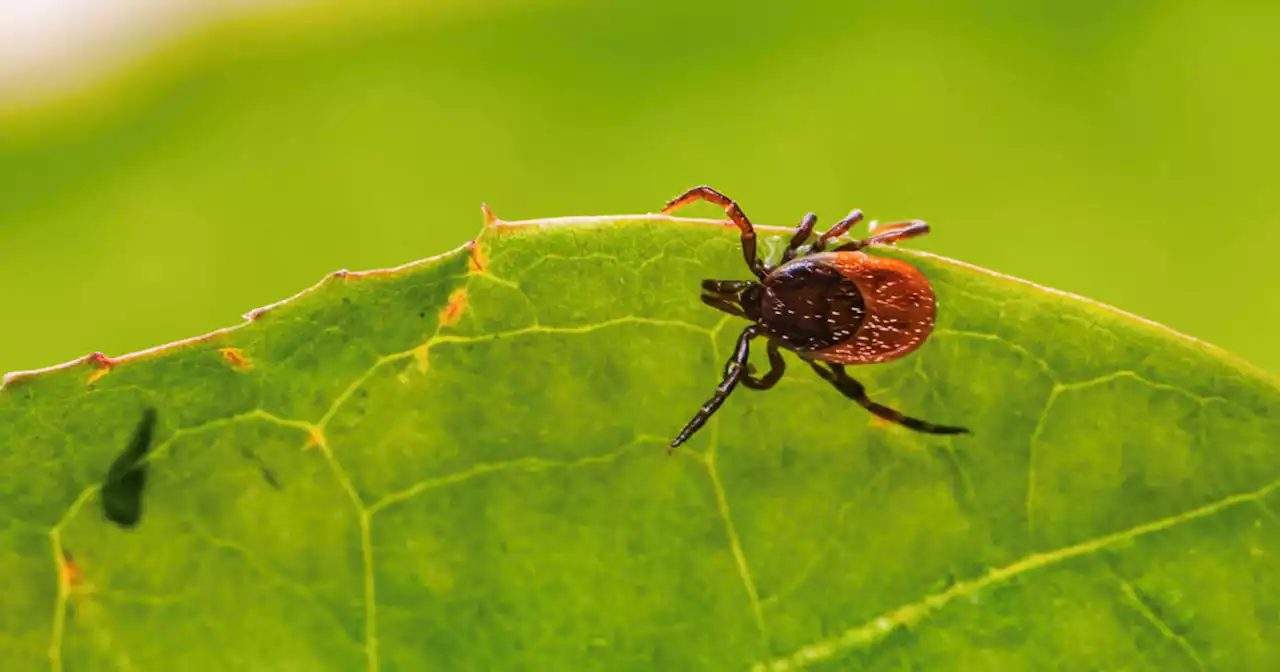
(735, 213)
(854, 390)
(734, 372)
(889, 234)
(839, 229)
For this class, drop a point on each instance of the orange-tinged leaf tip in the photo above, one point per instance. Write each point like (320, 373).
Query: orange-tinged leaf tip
(489, 217)
(235, 358)
(453, 310)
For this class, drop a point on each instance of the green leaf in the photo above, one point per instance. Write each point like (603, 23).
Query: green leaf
(461, 464)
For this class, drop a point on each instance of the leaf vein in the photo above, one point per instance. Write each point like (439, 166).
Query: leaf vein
(833, 540)
(255, 561)
(1029, 505)
(722, 506)
(982, 336)
(524, 464)
(1139, 378)
(735, 546)
(64, 588)
(1140, 605)
(912, 614)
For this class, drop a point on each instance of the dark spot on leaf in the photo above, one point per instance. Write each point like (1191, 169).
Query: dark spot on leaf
(787, 457)
(422, 314)
(266, 473)
(269, 477)
(122, 489)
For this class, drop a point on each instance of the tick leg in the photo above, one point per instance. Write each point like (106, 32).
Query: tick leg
(803, 231)
(734, 371)
(855, 391)
(776, 368)
(841, 227)
(724, 305)
(889, 234)
(735, 213)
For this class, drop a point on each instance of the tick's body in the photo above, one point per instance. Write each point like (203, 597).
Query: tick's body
(847, 307)
(830, 308)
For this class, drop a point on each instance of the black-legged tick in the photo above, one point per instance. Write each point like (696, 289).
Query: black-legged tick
(830, 308)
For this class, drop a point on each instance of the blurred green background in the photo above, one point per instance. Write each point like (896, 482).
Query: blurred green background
(1126, 151)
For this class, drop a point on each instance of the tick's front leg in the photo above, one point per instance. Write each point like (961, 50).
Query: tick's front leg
(705, 193)
(734, 371)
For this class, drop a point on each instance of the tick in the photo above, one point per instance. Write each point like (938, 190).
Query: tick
(832, 309)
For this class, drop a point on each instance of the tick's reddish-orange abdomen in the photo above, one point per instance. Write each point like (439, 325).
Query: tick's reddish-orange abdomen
(899, 303)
